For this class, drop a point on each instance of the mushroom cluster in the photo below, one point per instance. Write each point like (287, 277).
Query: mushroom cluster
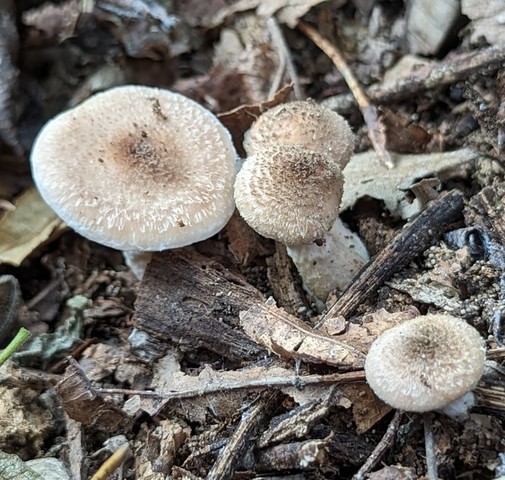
(137, 168)
(290, 187)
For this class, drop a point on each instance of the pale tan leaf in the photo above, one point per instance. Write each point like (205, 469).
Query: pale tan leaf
(24, 229)
(486, 20)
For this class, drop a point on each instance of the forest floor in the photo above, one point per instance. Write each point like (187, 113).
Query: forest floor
(167, 371)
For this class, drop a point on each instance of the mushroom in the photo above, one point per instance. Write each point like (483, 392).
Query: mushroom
(289, 193)
(290, 186)
(305, 123)
(137, 168)
(425, 363)
(428, 363)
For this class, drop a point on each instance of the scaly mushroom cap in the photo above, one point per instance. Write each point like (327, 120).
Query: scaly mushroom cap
(304, 123)
(425, 363)
(289, 193)
(137, 168)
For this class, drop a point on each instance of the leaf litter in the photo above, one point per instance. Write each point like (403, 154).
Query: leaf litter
(192, 372)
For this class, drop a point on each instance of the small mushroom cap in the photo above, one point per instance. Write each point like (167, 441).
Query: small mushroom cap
(289, 193)
(425, 363)
(137, 168)
(304, 123)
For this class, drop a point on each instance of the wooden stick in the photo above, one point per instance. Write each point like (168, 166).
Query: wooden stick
(386, 442)
(458, 67)
(414, 238)
(376, 131)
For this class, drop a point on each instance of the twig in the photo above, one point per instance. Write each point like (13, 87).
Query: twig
(231, 455)
(445, 72)
(286, 60)
(385, 443)
(429, 445)
(248, 384)
(376, 131)
(413, 239)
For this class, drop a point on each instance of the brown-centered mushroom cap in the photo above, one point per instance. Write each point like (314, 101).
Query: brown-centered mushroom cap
(425, 363)
(304, 123)
(289, 193)
(137, 168)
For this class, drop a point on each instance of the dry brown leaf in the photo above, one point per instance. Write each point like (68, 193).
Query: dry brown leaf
(50, 23)
(157, 453)
(27, 227)
(224, 397)
(395, 472)
(143, 27)
(373, 324)
(83, 404)
(402, 136)
(367, 409)
(239, 120)
(288, 337)
(243, 242)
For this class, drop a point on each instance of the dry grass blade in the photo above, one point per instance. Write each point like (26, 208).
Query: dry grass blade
(375, 127)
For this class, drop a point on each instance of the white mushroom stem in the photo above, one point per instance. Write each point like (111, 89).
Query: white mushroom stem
(429, 445)
(137, 261)
(330, 266)
(460, 408)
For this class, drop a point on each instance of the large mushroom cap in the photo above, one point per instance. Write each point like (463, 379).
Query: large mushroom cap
(304, 123)
(137, 168)
(425, 363)
(289, 193)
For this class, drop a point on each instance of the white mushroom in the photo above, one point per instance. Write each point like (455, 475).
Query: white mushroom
(289, 193)
(425, 363)
(137, 168)
(304, 123)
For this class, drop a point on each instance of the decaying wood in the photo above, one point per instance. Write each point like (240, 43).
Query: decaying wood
(232, 455)
(445, 72)
(295, 424)
(289, 337)
(282, 280)
(189, 299)
(414, 238)
(487, 210)
(347, 448)
(305, 455)
(76, 449)
(10, 301)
